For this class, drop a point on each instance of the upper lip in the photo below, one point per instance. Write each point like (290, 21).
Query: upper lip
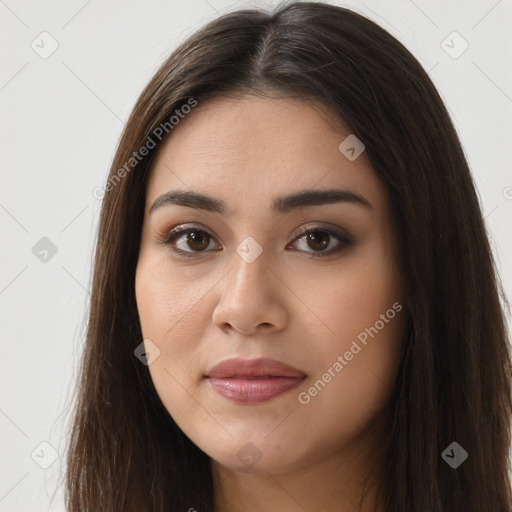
(261, 367)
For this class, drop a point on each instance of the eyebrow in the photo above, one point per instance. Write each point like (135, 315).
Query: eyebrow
(280, 205)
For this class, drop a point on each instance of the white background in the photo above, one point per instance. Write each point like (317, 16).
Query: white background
(61, 119)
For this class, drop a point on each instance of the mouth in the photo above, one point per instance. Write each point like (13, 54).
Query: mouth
(253, 381)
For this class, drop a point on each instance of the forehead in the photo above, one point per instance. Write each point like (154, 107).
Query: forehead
(249, 150)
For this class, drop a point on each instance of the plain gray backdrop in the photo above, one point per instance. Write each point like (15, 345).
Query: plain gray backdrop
(70, 75)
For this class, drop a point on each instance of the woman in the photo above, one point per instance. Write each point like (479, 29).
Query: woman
(295, 302)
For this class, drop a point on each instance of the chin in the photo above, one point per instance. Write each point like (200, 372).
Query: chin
(256, 457)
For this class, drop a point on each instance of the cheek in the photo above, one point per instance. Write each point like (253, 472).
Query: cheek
(170, 316)
(354, 297)
(356, 360)
(169, 311)
(353, 382)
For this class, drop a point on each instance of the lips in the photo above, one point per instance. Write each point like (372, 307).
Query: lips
(261, 367)
(253, 380)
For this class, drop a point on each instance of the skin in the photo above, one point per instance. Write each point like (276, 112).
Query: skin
(285, 304)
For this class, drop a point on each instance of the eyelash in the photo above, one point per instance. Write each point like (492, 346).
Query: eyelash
(176, 233)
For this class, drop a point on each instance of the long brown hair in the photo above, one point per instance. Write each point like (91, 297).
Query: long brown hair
(125, 451)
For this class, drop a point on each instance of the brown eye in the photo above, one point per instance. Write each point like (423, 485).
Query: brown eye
(316, 242)
(197, 240)
(188, 241)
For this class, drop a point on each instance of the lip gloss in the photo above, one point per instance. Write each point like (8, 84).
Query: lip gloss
(252, 390)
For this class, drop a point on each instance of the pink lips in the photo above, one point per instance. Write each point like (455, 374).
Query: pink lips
(253, 380)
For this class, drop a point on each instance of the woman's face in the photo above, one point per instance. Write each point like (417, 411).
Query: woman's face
(308, 281)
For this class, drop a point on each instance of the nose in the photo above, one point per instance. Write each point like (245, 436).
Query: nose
(251, 298)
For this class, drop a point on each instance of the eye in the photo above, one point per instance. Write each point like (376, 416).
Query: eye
(319, 239)
(182, 239)
(189, 241)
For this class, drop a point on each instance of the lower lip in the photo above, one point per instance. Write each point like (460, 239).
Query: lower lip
(252, 391)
